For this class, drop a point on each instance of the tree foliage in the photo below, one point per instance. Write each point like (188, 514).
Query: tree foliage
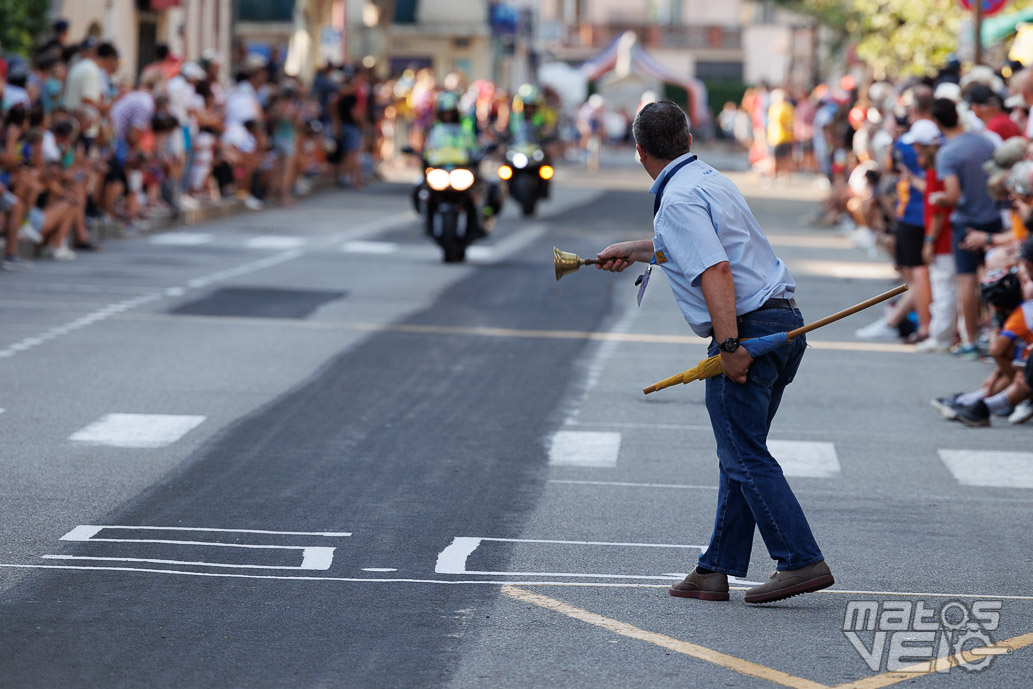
(23, 25)
(895, 36)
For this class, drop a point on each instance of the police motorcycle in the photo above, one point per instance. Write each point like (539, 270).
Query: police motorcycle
(458, 207)
(527, 170)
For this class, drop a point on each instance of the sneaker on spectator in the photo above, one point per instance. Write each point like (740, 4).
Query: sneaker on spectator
(303, 187)
(973, 415)
(252, 203)
(966, 351)
(15, 264)
(945, 405)
(188, 203)
(932, 345)
(879, 330)
(61, 253)
(30, 233)
(1023, 412)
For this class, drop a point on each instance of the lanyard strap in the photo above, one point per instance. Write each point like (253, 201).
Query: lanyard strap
(667, 178)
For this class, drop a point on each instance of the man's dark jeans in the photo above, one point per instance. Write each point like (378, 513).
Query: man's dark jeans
(752, 489)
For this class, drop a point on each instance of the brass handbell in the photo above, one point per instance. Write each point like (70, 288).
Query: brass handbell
(567, 262)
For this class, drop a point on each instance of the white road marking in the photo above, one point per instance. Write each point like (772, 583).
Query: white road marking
(805, 458)
(628, 484)
(85, 532)
(369, 247)
(990, 468)
(452, 560)
(512, 243)
(584, 448)
(318, 558)
(137, 430)
(374, 227)
(119, 307)
(475, 582)
(320, 563)
(275, 242)
(379, 569)
(182, 239)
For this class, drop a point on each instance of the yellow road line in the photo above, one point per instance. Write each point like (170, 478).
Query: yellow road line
(922, 669)
(484, 331)
(743, 667)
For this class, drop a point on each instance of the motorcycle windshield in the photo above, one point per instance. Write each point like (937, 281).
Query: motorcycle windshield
(447, 155)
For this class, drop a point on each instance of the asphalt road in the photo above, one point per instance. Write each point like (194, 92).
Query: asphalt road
(294, 449)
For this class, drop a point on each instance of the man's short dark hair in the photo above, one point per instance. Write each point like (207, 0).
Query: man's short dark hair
(662, 130)
(922, 99)
(945, 113)
(106, 50)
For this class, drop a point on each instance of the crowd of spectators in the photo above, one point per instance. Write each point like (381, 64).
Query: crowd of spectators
(937, 175)
(85, 145)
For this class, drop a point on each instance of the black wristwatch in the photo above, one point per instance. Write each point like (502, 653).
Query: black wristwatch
(729, 345)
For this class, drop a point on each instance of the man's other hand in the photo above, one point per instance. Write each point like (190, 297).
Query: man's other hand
(736, 364)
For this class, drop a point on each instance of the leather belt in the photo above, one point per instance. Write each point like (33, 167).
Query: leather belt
(778, 303)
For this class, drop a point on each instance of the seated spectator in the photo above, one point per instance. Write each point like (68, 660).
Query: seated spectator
(1009, 291)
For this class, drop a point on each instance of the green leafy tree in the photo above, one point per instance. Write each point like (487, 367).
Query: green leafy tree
(895, 36)
(23, 25)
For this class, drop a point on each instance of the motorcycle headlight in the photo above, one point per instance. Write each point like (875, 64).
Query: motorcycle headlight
(505, 172)
(437, 179)
(460, 179)
(546, 171)
(519, 160)
(538, 156)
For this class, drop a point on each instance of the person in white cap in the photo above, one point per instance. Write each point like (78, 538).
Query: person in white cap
(936, 250)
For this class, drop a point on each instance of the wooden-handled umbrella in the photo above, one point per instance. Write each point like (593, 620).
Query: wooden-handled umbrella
(708, 368)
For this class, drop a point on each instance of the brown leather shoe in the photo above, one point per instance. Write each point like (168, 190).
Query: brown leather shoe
(713, 586)
(792, 582)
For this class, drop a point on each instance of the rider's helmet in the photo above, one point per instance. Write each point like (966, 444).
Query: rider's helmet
(447, 107)
(527, 100)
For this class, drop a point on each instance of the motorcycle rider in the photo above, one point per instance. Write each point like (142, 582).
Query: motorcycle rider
(532, 124)
(451, 142)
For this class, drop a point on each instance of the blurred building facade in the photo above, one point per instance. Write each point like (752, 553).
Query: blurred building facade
(189, 27)
(730, 40)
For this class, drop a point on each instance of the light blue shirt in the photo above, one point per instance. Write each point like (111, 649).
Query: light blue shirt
(703, 220)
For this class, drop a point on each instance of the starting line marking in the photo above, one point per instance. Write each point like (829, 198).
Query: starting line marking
(481, 582)
(84, 532)
(452, 560)
(312, 557)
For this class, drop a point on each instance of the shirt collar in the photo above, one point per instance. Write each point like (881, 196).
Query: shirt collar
(666, 171)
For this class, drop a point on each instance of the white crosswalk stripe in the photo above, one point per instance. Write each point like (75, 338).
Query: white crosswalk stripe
(182, 239)
(137, 430)
(273, 242)
(584, 448)
(990, 468)
(805, 458)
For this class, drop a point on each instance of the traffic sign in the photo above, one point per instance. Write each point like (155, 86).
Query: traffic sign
(990, 7)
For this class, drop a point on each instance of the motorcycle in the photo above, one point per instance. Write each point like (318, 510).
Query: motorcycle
(527, 173)
(452, 198)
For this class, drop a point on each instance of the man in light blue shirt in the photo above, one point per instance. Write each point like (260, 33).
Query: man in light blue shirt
(729, 284)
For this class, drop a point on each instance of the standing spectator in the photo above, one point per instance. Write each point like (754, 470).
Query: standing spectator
(781, 114)
(959, 164)
(987, 106)
(1021, 84)
(803, 132)
(57, 39)
(165, 63)
(348, 120)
